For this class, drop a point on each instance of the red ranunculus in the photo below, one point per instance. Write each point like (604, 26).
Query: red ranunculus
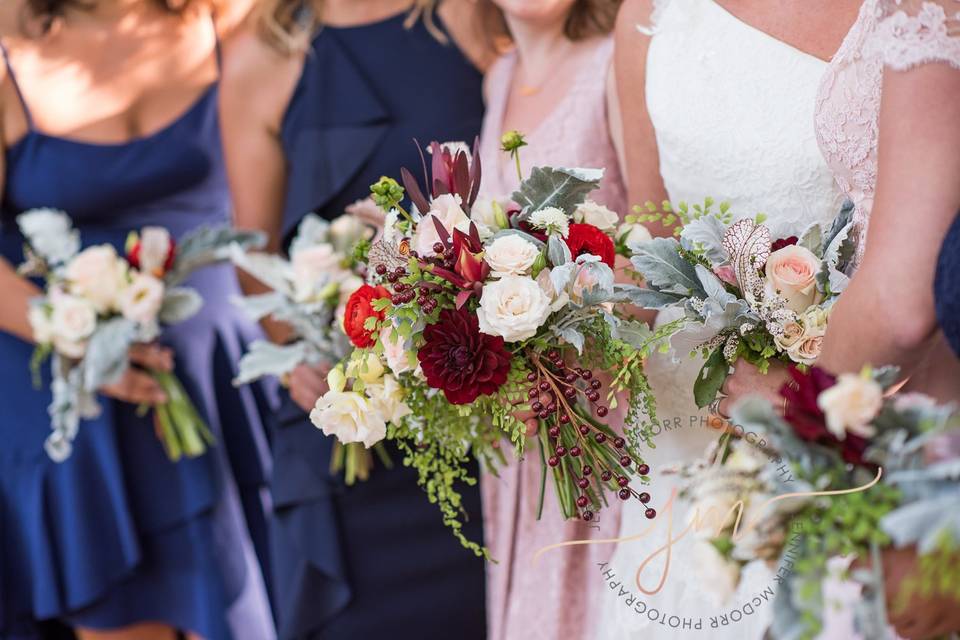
(460, 360)
(586, 238)
(808, 420)
(783, 242)
(359, 308)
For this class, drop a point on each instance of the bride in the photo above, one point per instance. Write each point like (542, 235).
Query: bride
(721, 95)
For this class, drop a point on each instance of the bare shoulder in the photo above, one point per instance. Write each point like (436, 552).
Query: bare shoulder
(633, 16)
(11, 19)
(232, 15)
(257, 79)
(462, 20)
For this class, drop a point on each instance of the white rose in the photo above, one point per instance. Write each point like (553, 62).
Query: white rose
(313, 268)
(395, 350)
(513, 307)
(98, 275)
(41, 323)
(445, 208)
(511, 255)
(850, 405)
(635, 233)
(551, 220)
(792, 274)
(141, 301)
(589, 212)
(155, 247)
(349, 417)
(386, 397)
(74, 320)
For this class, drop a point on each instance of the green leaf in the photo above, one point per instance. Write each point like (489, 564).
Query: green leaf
(710, 379)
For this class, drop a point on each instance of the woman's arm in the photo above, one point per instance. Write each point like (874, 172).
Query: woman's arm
(886, 315)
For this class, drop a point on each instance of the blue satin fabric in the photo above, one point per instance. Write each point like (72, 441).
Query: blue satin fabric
(372, 560)
(117, 533)
(946, 287)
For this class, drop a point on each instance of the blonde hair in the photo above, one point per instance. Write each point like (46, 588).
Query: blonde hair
(289, 25)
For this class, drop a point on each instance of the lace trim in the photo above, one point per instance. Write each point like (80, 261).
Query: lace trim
(926, 34)
(658, 8)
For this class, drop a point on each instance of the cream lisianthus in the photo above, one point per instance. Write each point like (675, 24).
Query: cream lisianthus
(791, 273)
(366, 366)
(551, 220)
(589, 212)
(386, 397)
(635, 233)
(349, 417)
(142, 299)
(445, 208)
(850, 405)
(513, 307)
(73, 322)
(395, 350)
(98, 275)
(558, 299)
(155, 248)
(40, 323)
(511, 255)
(489, 213)
(313, 268)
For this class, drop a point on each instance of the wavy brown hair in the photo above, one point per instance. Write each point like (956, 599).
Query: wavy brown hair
(288, 25)
(45, 13)
(587, 18)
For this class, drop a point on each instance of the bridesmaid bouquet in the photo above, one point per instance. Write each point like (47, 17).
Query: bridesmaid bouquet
(743, 293)
(309, 294)
(865, 471)
(97, 304)
(474, 310)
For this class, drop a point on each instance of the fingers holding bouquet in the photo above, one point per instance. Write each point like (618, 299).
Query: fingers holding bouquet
(138, 385)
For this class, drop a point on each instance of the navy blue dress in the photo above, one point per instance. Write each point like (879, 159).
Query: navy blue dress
(947, 286)
(373, 560)
(117, 534)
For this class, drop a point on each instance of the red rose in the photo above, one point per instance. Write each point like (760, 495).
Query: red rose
(359, 308)
(460, 360)
(808, 420)
(783, 242)
(586, 238)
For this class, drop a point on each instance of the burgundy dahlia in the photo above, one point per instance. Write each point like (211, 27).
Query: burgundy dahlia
(807, 418)
(460, 360)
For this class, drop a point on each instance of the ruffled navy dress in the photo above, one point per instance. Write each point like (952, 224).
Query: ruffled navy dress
(373, 560)
(947, 286)
(117, 534)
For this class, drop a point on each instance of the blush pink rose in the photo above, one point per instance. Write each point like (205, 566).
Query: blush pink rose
(792, 274)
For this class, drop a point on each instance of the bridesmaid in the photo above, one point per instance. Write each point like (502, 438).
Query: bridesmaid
(553, 86)
(319, 100)
(117, 541)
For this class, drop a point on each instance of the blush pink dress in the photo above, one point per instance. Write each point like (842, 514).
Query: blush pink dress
(550, 598)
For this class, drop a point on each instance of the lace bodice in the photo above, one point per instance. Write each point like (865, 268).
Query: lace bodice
(732, 108)
(575, 134)
(897, 33)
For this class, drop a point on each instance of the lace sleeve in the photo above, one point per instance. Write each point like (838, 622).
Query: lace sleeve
(915, 32)
(655, 14)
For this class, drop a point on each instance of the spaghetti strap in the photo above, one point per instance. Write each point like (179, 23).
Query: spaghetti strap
(218, 49)
(16, 85)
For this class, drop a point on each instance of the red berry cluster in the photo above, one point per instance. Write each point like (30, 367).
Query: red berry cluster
(404, 293)
(555, 389)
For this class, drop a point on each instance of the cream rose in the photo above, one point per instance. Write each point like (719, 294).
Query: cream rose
(792, 274)
(40, 323)
(513, 307)
(386, 397)
(589, 212)
(313, 267)
(349, 417)
(792, 334)
(73, 322)
(806, 348)
(635, 233)
(445, 208)
(511, 255)
(98, 275)
(142, 299)
(850, 405)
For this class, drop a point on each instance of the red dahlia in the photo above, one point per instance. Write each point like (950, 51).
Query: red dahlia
(460, 360)
(808, 420)
(586, 238)
(359, 308)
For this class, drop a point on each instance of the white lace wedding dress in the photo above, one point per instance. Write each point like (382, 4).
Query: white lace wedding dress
(733, 110)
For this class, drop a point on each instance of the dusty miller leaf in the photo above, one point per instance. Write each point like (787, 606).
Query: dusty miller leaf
(562, 188)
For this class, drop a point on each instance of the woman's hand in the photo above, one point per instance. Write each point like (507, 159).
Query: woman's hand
(920, 617)
(528, 418)
(747, 379)
(306, 384)
(137, 386)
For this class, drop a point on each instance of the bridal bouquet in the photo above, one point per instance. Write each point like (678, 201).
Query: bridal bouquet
(97, 304)
(744, 293)
(475, 309)
(309, 294)
(849, 472)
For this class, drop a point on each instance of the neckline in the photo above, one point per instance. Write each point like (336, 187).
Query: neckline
(183, 116)
(393, 17)
(768, 36)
